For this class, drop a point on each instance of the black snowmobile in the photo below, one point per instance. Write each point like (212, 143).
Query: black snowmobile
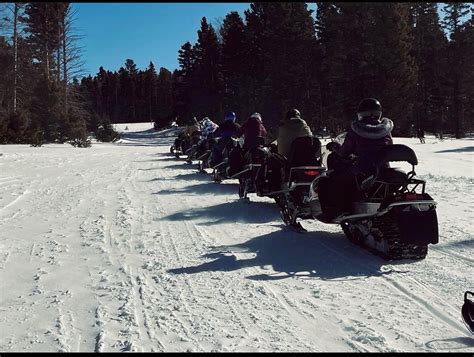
(467, 310)
(201, 152)
(184, 145)
(246, 166)
(227, 163)
(176, 147)
(392, 215)
(299, 170)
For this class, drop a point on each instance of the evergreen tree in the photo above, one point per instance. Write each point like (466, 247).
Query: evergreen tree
(183, 82)
(233, 51)
(150, 92)
(430, 45)
(396, 66)
(43, 27)
(281, 37)
(453, 24)
(467, 49)
(207, 77)
(330, 38)
(164, 98)
(46, 111)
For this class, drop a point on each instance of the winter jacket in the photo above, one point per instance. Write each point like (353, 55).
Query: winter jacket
(227, 129)
(191, 128)
(208, 128)
(251, 129)
(288, 131)
(364, 140)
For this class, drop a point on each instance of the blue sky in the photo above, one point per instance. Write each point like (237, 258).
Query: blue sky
(143, 32)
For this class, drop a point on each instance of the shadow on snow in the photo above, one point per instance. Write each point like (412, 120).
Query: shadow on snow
(323, 255)
(230, 212)
(464, 149)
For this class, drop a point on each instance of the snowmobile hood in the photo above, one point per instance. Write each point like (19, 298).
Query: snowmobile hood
(371, 131)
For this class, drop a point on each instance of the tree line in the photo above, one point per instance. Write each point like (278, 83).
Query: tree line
(281, 56)
(40, 60)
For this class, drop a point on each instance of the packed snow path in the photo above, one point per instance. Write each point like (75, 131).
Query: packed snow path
(122, 247)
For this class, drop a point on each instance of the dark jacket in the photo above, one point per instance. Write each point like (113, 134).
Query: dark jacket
(288, 131)
(364, 140)
(227, 129)
(251, 129)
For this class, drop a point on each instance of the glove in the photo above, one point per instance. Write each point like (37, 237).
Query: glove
(352, 158)
(332, 146)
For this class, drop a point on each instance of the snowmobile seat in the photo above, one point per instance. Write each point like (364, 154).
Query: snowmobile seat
(304, 151)
(396, 152)
(392, 176)
(388, 181)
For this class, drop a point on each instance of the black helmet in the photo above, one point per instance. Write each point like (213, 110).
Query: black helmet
(369, 109)
(292, 113)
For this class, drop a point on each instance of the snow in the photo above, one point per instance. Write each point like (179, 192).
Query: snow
(122, 247)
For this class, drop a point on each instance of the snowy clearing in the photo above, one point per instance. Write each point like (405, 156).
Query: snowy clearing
(122, 247)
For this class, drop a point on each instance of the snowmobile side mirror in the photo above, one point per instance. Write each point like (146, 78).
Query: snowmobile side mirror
(467, 311)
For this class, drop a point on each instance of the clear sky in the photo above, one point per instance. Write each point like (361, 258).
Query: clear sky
(143, 32)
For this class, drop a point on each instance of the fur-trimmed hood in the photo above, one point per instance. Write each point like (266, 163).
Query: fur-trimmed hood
(373, 131)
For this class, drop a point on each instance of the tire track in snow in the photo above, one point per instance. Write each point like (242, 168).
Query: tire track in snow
(416, 296)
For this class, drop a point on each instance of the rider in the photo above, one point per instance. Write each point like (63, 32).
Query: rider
(227, 129)
(187, 136)
(290, 129)
(367, 134)
(251, 130)
(208, 130)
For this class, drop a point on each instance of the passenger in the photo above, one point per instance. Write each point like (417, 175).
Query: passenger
(367, 134)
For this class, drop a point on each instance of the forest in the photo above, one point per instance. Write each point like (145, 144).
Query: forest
(419, 64)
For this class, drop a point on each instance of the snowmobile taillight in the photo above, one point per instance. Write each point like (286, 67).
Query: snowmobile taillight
(411, 196)
(311, 172)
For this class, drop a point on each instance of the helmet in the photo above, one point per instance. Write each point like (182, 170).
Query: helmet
(292, 113)
(369, 109)
(256, 116)
(230, 116)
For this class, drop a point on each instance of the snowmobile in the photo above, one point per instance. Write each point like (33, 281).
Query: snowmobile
(299, 170)
(183, 144)
(244, 166)
(392, 216)
(203, 153)
(231, 162)
(467, 311)
(176, 147)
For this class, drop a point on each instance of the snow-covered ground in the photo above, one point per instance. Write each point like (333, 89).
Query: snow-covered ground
(122, 247)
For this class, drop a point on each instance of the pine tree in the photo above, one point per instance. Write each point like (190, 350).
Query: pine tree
(467, 48)
(207, 78)
(46, 111)
(164, 98)
(330, 38)
(453, 24)
(281, 38)
(393, 64)
(43, 28)
(430, 45)
(233, 50)
(150, 92)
